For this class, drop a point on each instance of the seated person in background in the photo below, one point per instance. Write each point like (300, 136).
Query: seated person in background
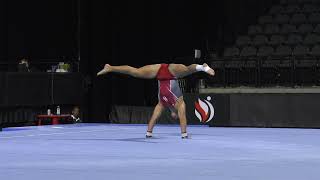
(23, 65)
(75, 115)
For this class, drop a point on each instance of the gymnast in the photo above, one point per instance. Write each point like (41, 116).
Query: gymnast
(169, 94)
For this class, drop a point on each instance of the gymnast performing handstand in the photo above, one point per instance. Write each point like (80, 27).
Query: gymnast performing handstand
(169, 95)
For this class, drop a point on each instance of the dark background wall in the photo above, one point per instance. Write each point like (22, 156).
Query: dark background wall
(120, 32)
(40, 29)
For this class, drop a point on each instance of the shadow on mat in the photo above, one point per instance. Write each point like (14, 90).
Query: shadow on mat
(142, 140)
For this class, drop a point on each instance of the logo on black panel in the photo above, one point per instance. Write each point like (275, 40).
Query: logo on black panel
(204, 109)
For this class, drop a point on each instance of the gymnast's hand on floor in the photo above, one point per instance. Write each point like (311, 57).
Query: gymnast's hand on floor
(105, 70)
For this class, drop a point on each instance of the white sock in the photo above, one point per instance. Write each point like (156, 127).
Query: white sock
(184, 135)
(149, 133)
(202, 68)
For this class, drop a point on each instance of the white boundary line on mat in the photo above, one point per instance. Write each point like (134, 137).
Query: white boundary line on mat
(49, 134)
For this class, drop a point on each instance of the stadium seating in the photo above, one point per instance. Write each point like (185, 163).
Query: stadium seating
(315, 51)
(283, 51)
(231, 52)
(276, 40)
(311, 39)
(288, 28)
(305, 29)
(284, 40)
(248, 51)
(271, 29)
(259, 40)
(301, 50)
(265, 51)
(265, 19)
(255, 30)
(243, 41)
(281, 19)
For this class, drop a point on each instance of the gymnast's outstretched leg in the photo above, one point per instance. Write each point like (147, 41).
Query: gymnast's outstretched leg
(180, 70)
(145, 72)
(150, 71)
(155, 116)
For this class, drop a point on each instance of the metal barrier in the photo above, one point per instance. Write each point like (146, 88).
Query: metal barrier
(264, 72)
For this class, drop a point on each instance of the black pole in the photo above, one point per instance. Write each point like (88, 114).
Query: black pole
(78, 32)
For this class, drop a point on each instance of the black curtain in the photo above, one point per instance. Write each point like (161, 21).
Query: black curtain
(120, 32)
